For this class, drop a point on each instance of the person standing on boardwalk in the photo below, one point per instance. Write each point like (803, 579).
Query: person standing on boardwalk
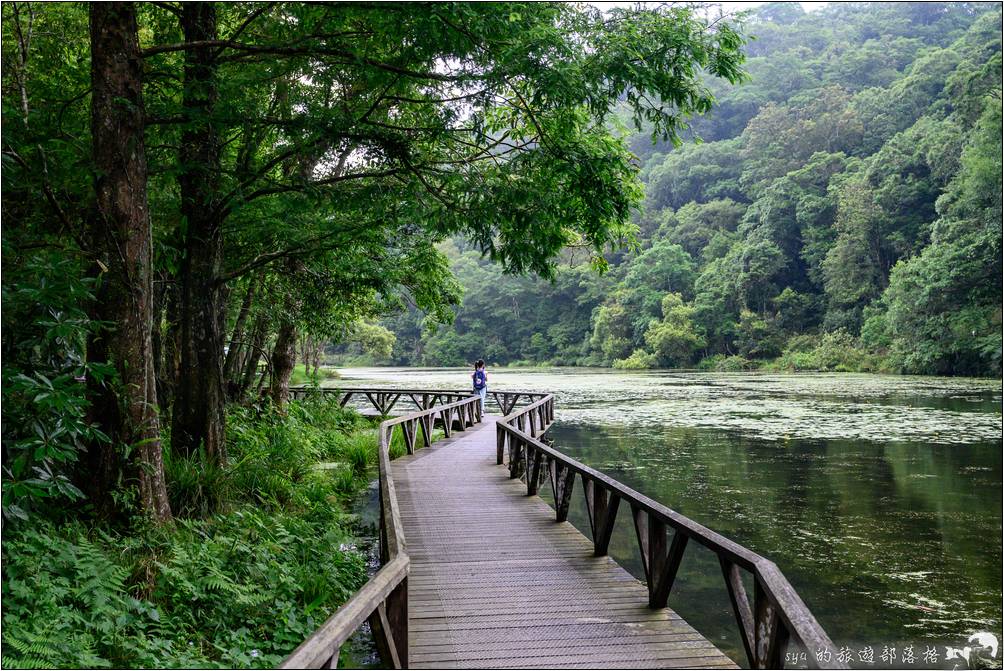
(480, 379)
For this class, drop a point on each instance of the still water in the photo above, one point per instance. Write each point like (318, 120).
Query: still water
(879, 497)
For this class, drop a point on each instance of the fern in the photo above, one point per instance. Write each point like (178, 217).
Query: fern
(239, 584)
(30, 645)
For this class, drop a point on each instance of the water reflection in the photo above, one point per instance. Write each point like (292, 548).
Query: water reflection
(893, 543)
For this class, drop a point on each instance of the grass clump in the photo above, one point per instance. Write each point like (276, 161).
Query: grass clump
(300, 376)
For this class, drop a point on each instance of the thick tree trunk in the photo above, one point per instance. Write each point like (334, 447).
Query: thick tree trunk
(121, 232)
(283, 360)
(198, 413)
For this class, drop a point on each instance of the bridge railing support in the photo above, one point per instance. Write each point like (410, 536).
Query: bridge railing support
(769, 620)
(383, 600)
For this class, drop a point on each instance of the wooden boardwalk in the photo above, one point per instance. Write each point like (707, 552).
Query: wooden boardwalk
(495, 582)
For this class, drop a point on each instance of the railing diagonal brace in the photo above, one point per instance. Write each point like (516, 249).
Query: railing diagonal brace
(740, 606)
(384, 637)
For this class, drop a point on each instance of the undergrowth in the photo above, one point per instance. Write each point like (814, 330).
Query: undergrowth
(260, 554)
(301, 376)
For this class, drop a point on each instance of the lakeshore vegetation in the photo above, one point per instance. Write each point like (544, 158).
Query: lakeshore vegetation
(198, 195)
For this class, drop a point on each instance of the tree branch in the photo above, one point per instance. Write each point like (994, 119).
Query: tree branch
(275, 50)
(286, 188)
(251, 19)
(168, 7)
(308, 246)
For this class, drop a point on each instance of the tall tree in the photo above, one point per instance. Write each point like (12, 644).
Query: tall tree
(427, 120)
(197, 415)
(122, 238)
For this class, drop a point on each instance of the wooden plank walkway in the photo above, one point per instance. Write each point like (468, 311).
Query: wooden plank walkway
(495, 582)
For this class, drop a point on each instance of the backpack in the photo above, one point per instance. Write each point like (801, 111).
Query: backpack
(479, 380)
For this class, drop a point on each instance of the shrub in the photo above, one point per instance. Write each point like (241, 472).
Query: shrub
(838, 351)
(639, 359)
(45, 424)
(758, 337)
(196, 487)
(726, 364)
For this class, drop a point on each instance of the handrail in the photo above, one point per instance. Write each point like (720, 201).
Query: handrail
(409, 390)
(765, 626)
(383, 600)
(384, 399)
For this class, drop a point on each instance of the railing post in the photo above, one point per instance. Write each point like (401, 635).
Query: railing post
(769, 632)
(532, 469)
(601, 504)
(562, 482)
(446, 417)
(661, 562)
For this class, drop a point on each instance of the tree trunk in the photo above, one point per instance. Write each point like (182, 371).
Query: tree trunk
(157, 339)
(120, 229)
(283, 360)
(198, 414)
(171, 362)
(231, 364)
(305, 353)
(260, 333)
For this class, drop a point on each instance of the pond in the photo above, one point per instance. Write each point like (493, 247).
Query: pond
(879, 497)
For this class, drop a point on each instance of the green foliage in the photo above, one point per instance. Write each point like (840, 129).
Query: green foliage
(795, 311)
(673, 341)
(639, 359)
(613, 334)
(847, 188)
(46, 425)
(943, 308)
(697, 224)
(301, 376)
(236, 590)
(837, 351)
(262, 555)
(756, 337)
(662, 267)
(721, 363)
(273, 453)
(694, 173)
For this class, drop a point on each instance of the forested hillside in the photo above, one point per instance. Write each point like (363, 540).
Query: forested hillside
(840, 210)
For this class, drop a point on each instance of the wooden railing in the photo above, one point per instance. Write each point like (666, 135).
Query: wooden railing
(776, 615)
(384, 399)
(383, 600)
